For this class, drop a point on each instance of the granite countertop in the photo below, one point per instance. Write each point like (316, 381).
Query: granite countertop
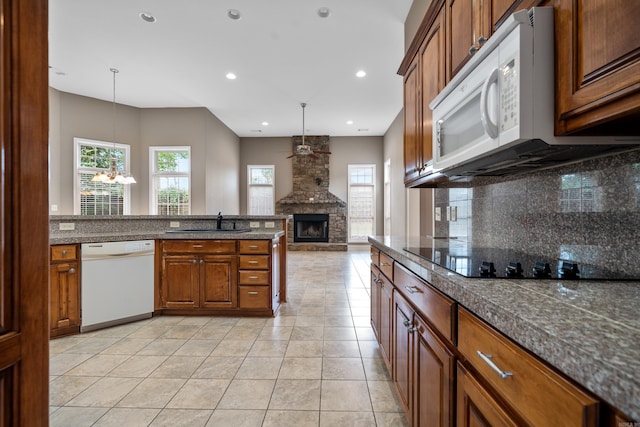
(589, 330)
(70, 237)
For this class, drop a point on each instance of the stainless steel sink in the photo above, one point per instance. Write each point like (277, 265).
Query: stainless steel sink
(209, 230)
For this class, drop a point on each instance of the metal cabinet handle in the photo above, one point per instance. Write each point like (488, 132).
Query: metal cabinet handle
(481, 40)
(413, 289)
(253, 262)
(406, 323)
(252, 293)
(197, 246)
(487, 359)
(383, 264)
(473, 49)
(253, 246)
(253, 277)
(64, 252)
(201, 261)
(412, 329)
(72, 270)
(194, 261)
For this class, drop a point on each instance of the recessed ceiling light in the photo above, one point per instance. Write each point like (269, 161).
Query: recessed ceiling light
(361, 73)
(231, 76)
(324, 12)
(265, 123)
(234, 14)
(147, 17)
(363, 130)
(349, 122)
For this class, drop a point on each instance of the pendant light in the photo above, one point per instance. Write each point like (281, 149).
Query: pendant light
(113, 175)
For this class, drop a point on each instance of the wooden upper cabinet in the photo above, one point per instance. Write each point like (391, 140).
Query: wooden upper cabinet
(424, 78)
(466, 25)
(411, 121)
(598, 64)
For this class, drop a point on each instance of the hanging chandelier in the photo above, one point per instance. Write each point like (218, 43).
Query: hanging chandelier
(113, 175)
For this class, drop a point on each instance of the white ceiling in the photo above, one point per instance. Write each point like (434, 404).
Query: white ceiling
(282, 52)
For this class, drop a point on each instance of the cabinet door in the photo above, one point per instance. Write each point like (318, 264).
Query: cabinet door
(432, 81)
(386, 310)
(469, 23)
(476, 406)
(598, 62)
(275, 275)
(434, 374)
(64, 308)
(411, 123)
(375, 301)
(218, 281)
(403, 330)
(180, 281)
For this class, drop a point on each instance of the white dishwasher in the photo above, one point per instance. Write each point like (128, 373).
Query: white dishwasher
(116, 283)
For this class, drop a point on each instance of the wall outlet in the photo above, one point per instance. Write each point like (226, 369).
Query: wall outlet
(174, 224)
(54, 208)
(448, 213)
(438, 213)
(67, 226)
(269, 224)
(454, 213)
(254, 224)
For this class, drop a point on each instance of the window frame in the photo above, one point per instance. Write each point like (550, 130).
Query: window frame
(350, 185)
(79, 170)
(272, 186)
(153, 174)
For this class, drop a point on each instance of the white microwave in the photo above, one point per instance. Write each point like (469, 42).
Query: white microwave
(496, 116)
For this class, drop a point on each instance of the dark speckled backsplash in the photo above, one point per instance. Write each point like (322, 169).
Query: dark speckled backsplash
(588, 212)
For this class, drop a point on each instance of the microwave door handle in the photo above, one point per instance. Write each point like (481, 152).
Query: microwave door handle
(489, 127)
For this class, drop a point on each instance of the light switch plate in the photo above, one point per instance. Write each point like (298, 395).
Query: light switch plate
(174, 224)
(448, 213)
(67, 226)
(454, 213)
(269, 224)
(254, 224)
(438, 213)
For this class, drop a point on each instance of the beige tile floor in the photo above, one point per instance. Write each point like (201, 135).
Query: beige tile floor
(315, 364)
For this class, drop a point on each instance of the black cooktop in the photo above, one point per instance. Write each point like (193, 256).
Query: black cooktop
(508, 264)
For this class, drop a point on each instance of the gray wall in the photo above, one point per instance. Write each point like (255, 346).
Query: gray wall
(214, 149)
(414, 19)
(394, 150)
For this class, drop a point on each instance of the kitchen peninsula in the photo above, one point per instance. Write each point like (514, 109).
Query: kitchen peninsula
(586, 330)
(203, 265)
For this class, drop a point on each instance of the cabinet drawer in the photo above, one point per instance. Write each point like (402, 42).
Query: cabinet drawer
(254, 246)
(254, 296)
(200, 246)
(375, 256)
(386, 265)
(437, 308)
(540, 396)
(252, 277)
(254, 262)
(63, 252)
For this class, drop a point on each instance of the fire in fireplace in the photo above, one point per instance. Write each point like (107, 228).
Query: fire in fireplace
(310, 227)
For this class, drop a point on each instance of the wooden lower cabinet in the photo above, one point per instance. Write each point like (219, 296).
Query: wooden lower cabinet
(403, 345)
(375, 301)
(64, 295)
(434, 373)
(386, 313)
(218, 281)
(476, 405)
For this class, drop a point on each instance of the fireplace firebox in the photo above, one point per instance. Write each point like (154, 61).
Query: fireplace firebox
(310, 227)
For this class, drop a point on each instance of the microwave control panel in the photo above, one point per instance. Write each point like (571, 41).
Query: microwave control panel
(509, 94)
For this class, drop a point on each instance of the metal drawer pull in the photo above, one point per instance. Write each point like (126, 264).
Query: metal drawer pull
(64, 252)
(72, 270)
(413, 289)
(252, 293)
(487, 360)
(253, 246)
(197, 246)
(253, 277)
(253, 262)
(406, 323)
(382, 264)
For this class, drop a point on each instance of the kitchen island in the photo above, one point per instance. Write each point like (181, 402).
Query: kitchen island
(204, 265)
(589, 331)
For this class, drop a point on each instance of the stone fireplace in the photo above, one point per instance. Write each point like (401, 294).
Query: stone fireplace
(311, 199)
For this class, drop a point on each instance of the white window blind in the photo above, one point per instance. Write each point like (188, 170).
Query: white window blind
(170, 178)
(260, 189)
(361, 202)
(98, 198)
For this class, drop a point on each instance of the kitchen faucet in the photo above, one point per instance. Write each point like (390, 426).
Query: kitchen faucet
(219, 221)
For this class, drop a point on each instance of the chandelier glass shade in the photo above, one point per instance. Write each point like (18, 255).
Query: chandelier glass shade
(113, 175)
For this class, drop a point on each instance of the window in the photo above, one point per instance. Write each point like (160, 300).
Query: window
(99, 198)
(362, 206)
(260, 190)
(170, 179)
